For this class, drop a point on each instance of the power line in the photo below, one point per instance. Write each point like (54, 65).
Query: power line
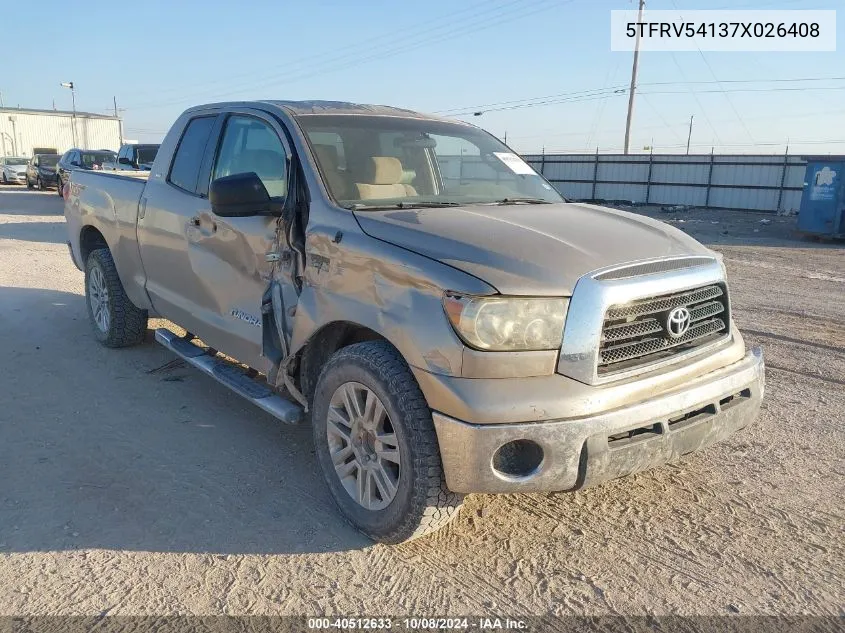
(623, 88)
(513, 10)
(342, 52)
(574, 97)
(713, 74)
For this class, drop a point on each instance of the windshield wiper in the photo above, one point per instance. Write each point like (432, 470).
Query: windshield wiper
(432, 204)
(505, 201)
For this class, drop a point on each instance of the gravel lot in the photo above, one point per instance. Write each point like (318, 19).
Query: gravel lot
(135, 485)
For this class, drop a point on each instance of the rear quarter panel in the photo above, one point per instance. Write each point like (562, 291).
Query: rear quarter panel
(109, 203)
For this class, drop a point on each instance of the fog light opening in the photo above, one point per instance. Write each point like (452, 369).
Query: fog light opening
(518, 459)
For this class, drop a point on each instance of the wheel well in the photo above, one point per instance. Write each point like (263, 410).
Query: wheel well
(90, 240)
(323, 344)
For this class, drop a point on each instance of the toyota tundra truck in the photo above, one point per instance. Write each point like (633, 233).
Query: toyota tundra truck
(409, 286)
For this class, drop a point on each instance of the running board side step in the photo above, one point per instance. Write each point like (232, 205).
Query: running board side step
(231, 376)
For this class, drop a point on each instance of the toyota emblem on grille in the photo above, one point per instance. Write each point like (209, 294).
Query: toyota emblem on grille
(677, 322)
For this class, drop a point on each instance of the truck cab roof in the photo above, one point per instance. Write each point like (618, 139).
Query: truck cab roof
(298, 108)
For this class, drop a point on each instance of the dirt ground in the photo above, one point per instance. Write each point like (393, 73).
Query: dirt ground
(133, 485)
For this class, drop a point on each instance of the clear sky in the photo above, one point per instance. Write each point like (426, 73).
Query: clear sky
(159, 57)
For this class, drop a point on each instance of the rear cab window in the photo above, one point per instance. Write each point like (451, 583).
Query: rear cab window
(185, 168)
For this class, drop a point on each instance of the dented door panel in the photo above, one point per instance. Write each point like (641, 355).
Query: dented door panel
(228, 258)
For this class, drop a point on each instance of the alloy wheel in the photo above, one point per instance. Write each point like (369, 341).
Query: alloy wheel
(98, 296)
(363, 446)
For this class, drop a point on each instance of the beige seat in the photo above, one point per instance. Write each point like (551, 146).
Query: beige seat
(327, 157)
(384, 180)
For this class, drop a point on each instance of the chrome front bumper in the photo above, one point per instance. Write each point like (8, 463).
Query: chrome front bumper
(581, 452)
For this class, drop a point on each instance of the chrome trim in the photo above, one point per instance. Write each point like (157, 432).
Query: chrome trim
(579, 353)
(651, 267)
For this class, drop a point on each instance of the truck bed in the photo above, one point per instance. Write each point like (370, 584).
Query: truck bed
(107, 201)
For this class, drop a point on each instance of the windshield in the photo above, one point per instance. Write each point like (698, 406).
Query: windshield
(48, 160)
(89, 159)
(375, 161)
(15, 161)
(146, 154)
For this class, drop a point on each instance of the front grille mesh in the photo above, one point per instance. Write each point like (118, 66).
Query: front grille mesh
(634, 334)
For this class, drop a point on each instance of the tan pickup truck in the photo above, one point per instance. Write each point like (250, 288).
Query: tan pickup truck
(420, 295)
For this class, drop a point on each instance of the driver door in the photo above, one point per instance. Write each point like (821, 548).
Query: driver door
(233, 255)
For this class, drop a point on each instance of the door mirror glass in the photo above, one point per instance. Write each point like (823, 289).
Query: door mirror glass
(123, 160)
(242, 195)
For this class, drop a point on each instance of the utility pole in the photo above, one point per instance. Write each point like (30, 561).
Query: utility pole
(69, 84)
(689, 137)
(633, 79)
(119, 122)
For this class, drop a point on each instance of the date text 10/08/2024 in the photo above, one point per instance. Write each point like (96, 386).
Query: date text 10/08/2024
(420, 623)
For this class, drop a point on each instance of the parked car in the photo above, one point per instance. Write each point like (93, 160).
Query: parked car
(81, 159)
(133, 157)
(41, 171)
(444, 334)
(13, 169)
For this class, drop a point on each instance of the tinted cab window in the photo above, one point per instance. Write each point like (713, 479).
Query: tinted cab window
(185, 169)
(251, 145)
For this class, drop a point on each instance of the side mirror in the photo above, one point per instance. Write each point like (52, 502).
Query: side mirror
(124, 161)
(242, 195)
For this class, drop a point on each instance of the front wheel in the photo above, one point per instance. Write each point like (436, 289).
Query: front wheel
(377, 446)
(117, 321)
(59, 187)
(39, 184)
(28, 183)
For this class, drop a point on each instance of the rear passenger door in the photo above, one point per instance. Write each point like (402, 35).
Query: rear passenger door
(168, 220)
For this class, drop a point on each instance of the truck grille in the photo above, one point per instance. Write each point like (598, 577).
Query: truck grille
(638, 333)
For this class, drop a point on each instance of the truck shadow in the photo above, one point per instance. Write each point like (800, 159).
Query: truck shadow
(50, 232)
(129, 450)
(18, 200)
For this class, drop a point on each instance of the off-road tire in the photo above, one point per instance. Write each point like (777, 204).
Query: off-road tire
(422, 503)
(127, 322)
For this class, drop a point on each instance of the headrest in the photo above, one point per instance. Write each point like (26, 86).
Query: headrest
(385, 170)
(408, 176)
(326, 156)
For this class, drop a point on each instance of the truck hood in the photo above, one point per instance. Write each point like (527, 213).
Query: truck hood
(540, 249)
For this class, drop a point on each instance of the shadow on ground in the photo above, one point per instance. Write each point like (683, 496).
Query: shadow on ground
(50, 232)
(129, 450)
(18, 200)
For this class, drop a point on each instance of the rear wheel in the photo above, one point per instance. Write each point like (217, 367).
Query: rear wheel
(116, 320)
(377, 446)
(5, 179)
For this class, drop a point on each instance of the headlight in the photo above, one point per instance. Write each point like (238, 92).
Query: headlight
(507, 323)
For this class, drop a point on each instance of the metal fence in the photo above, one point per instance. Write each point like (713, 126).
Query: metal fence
(745, 182)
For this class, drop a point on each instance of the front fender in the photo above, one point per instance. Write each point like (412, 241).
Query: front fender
(392, 291)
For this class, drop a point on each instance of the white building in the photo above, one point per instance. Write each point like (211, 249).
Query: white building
(22, 130)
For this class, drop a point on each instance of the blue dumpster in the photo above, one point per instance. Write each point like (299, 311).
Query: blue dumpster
(823, 201)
